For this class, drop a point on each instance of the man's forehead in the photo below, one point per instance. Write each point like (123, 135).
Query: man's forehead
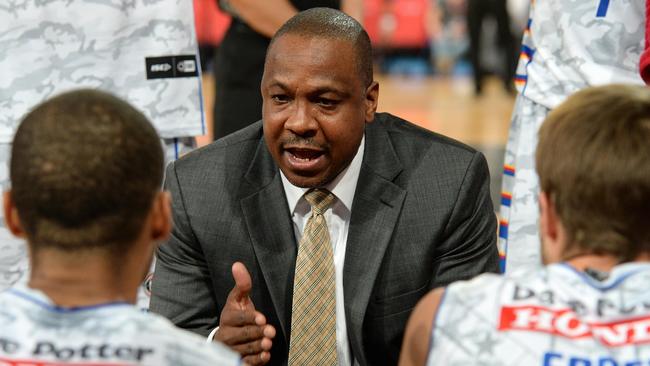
(293, 44)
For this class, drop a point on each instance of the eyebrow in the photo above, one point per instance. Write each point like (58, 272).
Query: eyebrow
(318, 91)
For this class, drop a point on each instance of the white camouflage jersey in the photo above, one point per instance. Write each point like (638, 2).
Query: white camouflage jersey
(572, 44)
(34, 332)
(555, 316)
(142, 50)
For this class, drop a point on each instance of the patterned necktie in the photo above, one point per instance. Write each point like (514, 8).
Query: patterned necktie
(313, 313)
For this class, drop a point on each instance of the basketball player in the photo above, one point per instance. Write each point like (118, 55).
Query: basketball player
(591, 304)
(86, 171)
(567, 46)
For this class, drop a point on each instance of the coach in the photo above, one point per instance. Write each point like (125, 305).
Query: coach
(344, 218)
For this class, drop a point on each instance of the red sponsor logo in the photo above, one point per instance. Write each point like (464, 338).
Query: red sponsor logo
(16, 362)
(564, 323)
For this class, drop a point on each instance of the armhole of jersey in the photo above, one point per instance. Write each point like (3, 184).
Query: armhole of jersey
(434, 322)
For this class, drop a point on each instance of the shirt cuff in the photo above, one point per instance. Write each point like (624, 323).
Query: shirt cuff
(211, 335)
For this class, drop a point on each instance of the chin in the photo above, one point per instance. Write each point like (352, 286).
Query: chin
(306, 182)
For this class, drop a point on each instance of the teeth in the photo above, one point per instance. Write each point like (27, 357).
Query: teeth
(301, 159)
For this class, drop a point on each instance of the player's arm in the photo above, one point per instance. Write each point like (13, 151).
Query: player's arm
(266, 16)
(354, 8)
(417, 338)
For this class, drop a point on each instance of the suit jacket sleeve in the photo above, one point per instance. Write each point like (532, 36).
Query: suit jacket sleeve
(469, 245)
(182, 288)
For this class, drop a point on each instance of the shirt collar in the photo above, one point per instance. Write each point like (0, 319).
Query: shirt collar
(343, 186)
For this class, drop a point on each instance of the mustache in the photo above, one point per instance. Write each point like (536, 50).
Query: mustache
(303, 141)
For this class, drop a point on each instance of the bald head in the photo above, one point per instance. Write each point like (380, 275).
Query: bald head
(332, 24)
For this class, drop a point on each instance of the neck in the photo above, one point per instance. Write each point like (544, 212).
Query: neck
(603, 263)
(89, 278)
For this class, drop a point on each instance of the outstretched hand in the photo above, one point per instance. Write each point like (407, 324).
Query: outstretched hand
(241, 327)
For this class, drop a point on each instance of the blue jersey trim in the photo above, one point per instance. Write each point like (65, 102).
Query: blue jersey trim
(527, 51)
(601, 286)
(64, 310)
(200, 81)
(602, 9)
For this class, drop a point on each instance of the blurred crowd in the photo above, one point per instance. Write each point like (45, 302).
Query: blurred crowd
(409, 36)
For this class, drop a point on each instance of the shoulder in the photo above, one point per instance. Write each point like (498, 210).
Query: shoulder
(236, 148)
(403, 131)
(430, 162)
(220, 164)
(489, 289)
(418, 147)
(480, 282)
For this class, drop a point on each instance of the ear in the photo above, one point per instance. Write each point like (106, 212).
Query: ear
(548, 220)
(550, 229)
(161, 217)
(372, 97)
(11, 215)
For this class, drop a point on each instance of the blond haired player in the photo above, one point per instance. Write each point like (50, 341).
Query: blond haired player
(590, 305)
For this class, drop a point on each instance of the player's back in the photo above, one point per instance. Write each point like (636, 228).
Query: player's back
(33, 331)
(553, 316)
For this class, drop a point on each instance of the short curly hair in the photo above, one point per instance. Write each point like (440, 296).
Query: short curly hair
(85, 168)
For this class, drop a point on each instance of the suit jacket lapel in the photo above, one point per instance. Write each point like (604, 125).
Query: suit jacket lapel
(271, 230)
(375, 210)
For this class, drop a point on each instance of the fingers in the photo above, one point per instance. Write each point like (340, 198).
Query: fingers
(243, 282)
(231, 317)
(254, 348)
(269, 331)
(252, 342)
(258, 359)
(243, 334)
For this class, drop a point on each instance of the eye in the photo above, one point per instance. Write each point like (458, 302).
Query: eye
(280, 98)
(327, 103)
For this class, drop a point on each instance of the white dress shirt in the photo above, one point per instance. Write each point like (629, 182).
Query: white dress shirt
(338, 223)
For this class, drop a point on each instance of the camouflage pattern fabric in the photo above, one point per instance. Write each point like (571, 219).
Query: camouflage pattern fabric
(49, 46)
(551, 316)
(519, 243)
(568, 45)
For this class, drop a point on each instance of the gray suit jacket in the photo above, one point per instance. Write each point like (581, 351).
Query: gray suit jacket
(421, 218)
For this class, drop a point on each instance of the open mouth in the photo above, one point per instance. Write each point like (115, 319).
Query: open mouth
(304, 154)
(304, 158)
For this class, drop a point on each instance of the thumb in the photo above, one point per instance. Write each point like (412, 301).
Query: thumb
(243, 282)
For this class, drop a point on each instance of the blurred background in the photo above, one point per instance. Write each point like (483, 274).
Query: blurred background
(445, 65)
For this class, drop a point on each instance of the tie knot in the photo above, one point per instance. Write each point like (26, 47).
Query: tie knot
(319, 199)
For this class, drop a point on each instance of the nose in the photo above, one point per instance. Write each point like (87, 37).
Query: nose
(301, 121)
